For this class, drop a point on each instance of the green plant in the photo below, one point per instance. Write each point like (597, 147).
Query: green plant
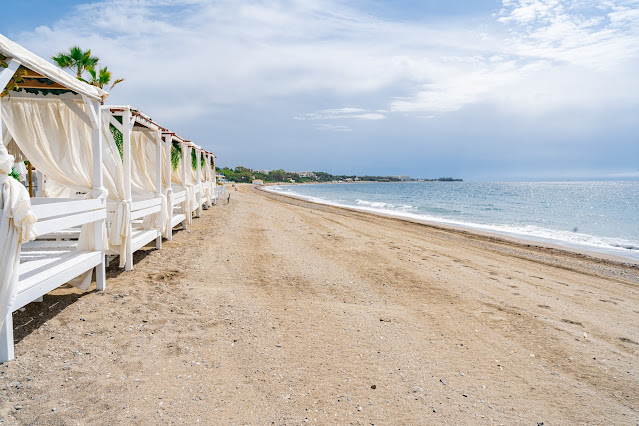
(76, 58)
(14, 174)
(81, 61)
(118, 138)
(194, 160)
(176, 155)
(101, 78)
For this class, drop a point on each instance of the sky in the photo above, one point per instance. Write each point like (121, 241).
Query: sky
(474, 89)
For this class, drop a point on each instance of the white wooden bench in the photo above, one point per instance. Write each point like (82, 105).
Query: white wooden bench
(139, 237)
(44, 267)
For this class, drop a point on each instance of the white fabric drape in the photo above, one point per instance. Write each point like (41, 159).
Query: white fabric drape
(143, 174)
(58, 143)
(16, 227)
(53, 138)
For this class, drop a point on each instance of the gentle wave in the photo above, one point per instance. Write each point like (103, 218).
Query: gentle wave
(382, 205)
(615, 246)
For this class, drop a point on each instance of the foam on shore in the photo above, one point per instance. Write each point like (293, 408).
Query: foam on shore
(626, 249)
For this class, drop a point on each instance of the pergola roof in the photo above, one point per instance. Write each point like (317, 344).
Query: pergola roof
(44, 75)
(140, 118)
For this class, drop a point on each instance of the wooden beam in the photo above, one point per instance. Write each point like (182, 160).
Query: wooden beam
(7, 73)
(116, 123)
(78, 111)
(29, 83)
(94, 116)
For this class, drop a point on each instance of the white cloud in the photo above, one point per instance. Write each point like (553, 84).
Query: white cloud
(333, 127)
(181, 58)
(341, 113)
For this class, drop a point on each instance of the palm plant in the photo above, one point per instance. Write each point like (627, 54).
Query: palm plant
(102, 77)
(77, 59)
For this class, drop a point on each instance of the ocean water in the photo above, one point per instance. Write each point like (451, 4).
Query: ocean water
(593, 216)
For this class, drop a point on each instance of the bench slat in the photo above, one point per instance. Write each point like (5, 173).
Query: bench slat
(72, 219)
(52, 272)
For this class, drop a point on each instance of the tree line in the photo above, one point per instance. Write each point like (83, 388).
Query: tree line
(243, 174)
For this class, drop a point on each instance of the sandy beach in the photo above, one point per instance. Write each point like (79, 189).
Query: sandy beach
(271, 310)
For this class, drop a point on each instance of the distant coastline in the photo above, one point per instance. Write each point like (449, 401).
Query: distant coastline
(245, 175)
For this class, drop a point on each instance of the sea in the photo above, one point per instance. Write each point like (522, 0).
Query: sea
(598, 217)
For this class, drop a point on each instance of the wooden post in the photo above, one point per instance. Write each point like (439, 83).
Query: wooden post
(7, 73)
(127, 122)
(187, 208)
(169, 167)
(30, 174)
(93, 110)
(198, 156)
(158, 179)
(2, 125)
(6, 338)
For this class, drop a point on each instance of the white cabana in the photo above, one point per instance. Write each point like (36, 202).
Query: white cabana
(54, 121)
(138, 212)
(180, 198)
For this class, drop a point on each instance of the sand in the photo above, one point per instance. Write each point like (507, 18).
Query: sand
(276, 311)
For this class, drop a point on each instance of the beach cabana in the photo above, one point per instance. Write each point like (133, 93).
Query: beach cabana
(175, 178)
(137, 209)
(54, 121)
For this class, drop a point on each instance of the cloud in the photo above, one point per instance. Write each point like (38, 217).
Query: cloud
(333, 127)
(342, 113)
(192, 61)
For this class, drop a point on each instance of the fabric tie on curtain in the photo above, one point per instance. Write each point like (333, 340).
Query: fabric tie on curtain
(16, 227)
(120, 230)
(190, 202)
(168, 229)
(163, 215)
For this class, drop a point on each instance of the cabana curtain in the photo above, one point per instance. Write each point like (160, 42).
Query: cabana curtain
(143, 155)
(16, 227)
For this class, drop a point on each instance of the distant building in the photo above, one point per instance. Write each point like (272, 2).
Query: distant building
(258, 182)
(401, 177)
(305, 174)
(261, 171)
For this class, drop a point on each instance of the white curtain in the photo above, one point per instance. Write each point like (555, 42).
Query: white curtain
(143, 174)
(16, 227)
(53, 138)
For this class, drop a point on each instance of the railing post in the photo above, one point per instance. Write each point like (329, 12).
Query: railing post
(187, 207)
(127, 124)
(198, 174)
(98, 184)
(169, 168)
(158, 181)
(6, 338)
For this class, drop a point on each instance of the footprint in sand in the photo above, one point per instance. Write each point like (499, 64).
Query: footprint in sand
(572, 322)
(167, 277)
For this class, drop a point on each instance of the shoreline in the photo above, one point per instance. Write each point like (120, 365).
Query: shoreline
(521, 241)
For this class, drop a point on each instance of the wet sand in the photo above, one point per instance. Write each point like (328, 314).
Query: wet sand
(278, 311)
